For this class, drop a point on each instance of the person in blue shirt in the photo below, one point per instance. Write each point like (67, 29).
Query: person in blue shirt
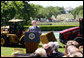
(34, 27)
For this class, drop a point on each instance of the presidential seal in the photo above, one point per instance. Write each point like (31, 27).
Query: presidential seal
(31, 36)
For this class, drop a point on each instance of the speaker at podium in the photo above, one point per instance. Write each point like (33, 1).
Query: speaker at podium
(31, 41)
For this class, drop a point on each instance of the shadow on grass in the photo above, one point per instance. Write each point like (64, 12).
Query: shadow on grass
(18, 46)
(15, 46)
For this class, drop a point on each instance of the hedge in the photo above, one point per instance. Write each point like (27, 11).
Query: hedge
(53, 27)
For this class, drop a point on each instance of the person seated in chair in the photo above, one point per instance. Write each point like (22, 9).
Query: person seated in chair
(56, 53)
(48, 49)
(71, 48)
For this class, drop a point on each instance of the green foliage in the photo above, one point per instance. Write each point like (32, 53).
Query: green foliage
(24, 10)
(49, 11)
(78, 11)
(53, 27)
(17, 10)
(7, 12)
(81, 13)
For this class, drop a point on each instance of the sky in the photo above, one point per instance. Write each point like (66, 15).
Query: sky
(65, 4)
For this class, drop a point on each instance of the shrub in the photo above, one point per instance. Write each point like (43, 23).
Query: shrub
(53, 27)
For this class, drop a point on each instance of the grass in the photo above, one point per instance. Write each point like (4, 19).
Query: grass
(9, 50)
(59, 23)
(55, 26)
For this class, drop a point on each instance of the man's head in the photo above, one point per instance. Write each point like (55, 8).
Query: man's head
(33, 23)
(41, 52)
(72, 42)
(56, 46)
(51, 44)
(47, 48)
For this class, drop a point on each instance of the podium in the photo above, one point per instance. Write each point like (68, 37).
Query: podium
(31, 41)
(47, 37)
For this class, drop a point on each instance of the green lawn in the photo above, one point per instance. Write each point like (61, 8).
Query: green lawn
(59, 23)
(41, 24)
(10, 50)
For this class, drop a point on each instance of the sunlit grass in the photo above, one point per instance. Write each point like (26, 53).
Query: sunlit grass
(10, 50)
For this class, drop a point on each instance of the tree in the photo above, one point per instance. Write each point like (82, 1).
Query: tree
(49, 11)
(17, 10)
(76, 11)
(81, 13)
(7, 12)
(36, 8)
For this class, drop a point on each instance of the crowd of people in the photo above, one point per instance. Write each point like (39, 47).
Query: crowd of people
(51, 50)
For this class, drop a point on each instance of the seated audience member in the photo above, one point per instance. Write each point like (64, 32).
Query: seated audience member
(71, 48)
(72, 42)
(56, 53)
(51, 44)
(41, 52)
(77, 54)
(48, 49)
(52, 49)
